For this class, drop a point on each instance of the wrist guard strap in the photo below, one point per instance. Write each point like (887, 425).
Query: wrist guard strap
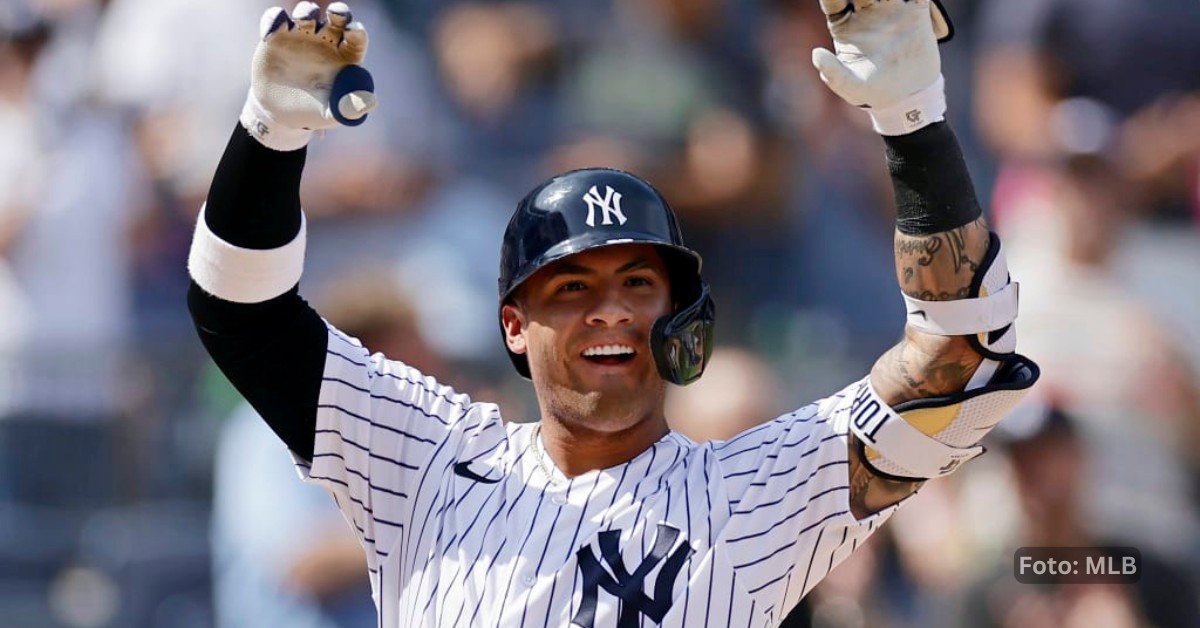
(930, 438)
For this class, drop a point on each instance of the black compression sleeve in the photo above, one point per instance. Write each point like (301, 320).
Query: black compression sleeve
(254, 201)
(273, 352)
(929, 176)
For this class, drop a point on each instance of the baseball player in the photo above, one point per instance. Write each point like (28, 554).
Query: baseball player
(598, 515)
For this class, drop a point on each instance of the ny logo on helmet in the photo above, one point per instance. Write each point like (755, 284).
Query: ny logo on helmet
(609, 204)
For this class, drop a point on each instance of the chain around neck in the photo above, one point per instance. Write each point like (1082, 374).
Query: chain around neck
(539, 456)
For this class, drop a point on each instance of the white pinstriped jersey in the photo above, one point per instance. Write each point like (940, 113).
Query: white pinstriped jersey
(463, 527)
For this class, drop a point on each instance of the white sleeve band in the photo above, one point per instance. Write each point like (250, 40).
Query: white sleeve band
(910, 452)
(244, 275)
(259, 123)
(964, 317)
(913, 113)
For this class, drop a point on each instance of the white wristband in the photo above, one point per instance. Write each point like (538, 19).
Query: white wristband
(259, 123)
(912, 113)
(244, 275)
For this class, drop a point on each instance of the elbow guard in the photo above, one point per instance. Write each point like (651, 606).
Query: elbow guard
(987, 316)
(931, 437)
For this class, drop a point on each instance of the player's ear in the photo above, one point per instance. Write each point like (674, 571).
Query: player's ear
(512, 319)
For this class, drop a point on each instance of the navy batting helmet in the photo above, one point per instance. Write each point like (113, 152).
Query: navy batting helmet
(595, 207)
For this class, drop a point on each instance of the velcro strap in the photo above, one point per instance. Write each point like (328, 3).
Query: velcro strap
(964, 317)
(882, 429)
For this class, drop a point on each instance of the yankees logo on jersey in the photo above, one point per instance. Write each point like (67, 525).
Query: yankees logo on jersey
(629, 585)
(463, 526)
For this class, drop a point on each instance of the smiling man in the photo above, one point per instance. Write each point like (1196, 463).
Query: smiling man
(601, 306)
(598, 515)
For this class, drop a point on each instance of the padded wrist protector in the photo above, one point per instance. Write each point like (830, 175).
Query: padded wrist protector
(932, 437)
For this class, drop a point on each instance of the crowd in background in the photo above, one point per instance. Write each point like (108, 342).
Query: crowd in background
(136, 489)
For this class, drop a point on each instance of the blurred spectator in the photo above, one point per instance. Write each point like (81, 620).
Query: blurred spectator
(1129, 64)
(669, 90)
(1048, 457)
(22, 37)
(408, 195)
(181, 78)
(448, 252)
(680, 48)
(840, 294)
(284, 556)
(497, 62)
(1110, 360)
(69, 259)
(87, 204)
(360, 189)
(1092, 109)
(181, 81)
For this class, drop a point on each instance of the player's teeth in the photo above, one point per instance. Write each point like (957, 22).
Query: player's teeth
(608, 350)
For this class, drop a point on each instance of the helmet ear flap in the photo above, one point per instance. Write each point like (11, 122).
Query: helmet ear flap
(682, 342)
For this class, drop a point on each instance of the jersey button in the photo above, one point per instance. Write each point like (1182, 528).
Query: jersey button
(529, 580)
(559, 500)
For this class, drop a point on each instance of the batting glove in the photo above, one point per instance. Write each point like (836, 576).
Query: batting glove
(305, 75)
(887, 60)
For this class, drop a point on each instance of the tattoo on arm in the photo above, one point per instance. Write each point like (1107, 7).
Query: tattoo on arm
(870, 493)
(919, 367)
(937, 267)
(958, 249)
(940, 267)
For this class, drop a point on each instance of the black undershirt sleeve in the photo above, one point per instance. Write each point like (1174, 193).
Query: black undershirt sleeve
(273, 352)
(932, 186)
(254, 200)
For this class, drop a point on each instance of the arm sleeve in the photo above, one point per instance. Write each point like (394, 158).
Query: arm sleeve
(254, 201)
(789, 521)
(932, 186)
(364, 427)
(272, 351)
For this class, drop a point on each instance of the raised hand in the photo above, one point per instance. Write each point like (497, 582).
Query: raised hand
(306, 75)
(885, 55)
